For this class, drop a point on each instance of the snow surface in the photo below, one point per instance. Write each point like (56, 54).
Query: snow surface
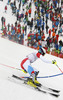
(11, 55)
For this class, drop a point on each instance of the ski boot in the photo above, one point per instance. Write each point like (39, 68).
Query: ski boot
(36, 74)
(34, 78)
(31, 83)
(37, 83)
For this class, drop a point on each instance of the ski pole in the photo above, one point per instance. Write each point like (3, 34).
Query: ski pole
(59, 68)
(13, 67)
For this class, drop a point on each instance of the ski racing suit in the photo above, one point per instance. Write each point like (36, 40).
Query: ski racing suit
(26, 63)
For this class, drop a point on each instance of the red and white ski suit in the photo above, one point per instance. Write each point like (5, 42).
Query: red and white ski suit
(26, 63)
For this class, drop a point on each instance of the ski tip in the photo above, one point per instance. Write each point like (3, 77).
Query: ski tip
(55, 95)
(13, 75)
(55, 90)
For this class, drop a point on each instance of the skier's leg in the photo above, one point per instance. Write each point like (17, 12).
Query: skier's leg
(32, 71)
(36, 72)
(24, 64)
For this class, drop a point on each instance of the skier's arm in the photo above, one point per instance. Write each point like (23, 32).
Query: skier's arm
(45, 60)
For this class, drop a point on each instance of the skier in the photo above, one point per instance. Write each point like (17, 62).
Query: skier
(27, 68)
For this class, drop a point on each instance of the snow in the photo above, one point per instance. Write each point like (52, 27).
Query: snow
(11, 55)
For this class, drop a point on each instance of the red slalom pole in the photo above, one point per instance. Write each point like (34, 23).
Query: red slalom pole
(10, 66)
(59, 68)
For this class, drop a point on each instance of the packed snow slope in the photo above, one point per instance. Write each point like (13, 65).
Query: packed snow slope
(11, 55)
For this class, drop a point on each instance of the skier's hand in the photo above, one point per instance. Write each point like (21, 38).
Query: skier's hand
(54, 62)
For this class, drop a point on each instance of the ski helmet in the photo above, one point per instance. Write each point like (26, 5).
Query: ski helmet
(42, 51)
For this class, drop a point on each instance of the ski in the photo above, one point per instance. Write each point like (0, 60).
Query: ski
(50, 89)
(36, 88)
(42, 86)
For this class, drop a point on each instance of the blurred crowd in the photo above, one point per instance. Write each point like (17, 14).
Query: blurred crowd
(42, 27)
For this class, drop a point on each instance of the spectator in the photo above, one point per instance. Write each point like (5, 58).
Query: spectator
(5, 9)
(62, 49)
(2, 20)
(53, 34)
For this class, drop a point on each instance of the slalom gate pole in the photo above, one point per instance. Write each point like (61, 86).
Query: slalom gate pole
(59, 68)
(10, 66)
(37, 77)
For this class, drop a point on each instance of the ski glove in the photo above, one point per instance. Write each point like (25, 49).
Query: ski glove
(54, 62)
